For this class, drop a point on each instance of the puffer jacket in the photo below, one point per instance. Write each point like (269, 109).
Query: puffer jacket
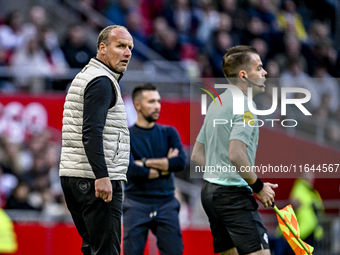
(116, 139)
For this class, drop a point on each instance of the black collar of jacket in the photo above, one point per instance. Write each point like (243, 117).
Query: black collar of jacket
(121, 74)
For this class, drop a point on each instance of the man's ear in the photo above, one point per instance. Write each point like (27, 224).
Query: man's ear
(137, 105)
(102, 48)
(242, 75)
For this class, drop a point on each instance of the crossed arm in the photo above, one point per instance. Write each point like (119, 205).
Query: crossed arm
(158, 166)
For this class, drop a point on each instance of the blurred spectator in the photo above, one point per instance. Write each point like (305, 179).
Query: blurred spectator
(49, 42)
(164, 40)
(226, 24)
(150, 10)
(238, 15)
(30, 67)
(327, 85)
(38, 144)
(12, 34)
(273, 70)
(318, 32)
(181, 17)
(324, 52)
(134, 23)
(323, 113)
(208, 19)
(38, 176)
(265, 10)
(160, 27)
(189, 59)
(19, 198)
(205, 66)
(222, 41)
(262, 47)
(54, 207)
(292, 49)
(6, 86)
(14, 159)
(37, 60)
(38, 28)
(170, 48)
(75, 48)
(294, 70)
(290, 20)
(294, 76)
(255, 28)
(117, 11)
(37, 19)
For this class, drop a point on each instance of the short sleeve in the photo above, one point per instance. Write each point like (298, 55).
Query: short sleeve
(241, 130)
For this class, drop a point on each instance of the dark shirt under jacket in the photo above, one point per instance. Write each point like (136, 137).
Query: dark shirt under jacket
(99, 97)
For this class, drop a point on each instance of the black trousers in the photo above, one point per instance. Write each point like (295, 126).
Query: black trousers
(97, 222)
(234, 218)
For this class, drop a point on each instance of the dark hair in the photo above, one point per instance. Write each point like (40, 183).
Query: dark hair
(140, 88)
(235, 59)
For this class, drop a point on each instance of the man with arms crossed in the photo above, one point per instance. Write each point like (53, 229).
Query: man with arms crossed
(96, 144)
(227, 197)
(149, 202)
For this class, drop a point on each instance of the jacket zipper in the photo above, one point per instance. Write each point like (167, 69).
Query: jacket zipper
(116, 152)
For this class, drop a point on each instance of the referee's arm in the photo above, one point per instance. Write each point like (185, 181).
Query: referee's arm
(198, 154)
(238, 157)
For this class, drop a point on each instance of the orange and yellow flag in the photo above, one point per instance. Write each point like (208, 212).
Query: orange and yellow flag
(290, 229)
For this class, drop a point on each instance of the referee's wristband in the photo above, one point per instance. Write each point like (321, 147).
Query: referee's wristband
(257, 186)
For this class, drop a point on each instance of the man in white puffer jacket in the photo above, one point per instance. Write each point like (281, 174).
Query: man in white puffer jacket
(96, 144)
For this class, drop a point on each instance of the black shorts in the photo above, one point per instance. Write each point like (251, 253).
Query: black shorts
(234, 218)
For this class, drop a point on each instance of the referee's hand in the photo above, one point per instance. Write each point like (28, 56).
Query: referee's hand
(267, 194)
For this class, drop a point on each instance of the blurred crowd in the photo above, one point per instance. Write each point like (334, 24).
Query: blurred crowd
(29, 177)
(295, 39)
(198, 32)
(34, 51)
(296, 35)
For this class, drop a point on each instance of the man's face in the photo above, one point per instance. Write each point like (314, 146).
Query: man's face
(150, 105)
(256, 73)
(118, 53)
